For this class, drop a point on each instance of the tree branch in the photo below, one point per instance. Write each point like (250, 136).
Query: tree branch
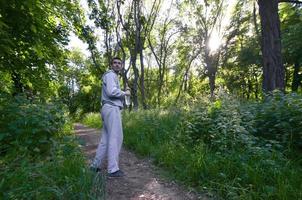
(153, 51)
(290, 1)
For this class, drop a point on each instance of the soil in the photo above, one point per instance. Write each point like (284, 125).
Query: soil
(142, 180)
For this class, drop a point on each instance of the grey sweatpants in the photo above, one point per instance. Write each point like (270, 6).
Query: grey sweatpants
(111, 139)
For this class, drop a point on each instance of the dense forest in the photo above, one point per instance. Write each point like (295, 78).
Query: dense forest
(215, 93)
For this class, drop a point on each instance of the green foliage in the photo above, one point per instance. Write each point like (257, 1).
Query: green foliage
(218, 125)
(212, 146)
(32, 39)
(92, 120)
(62, 174)
(29, 126)
(82, 87)
(291, 30)
(40, 158)
(291, 27)
(280, 118)
(159, 124)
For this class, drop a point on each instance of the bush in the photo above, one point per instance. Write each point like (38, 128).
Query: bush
(218, 125)
(145, 129)
(280, 118)
(29, 126)
(92, 120)
(40, 158)
(228, 147)
(213, 147)
(60, 175)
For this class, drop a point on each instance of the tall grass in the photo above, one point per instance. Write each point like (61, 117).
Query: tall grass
(230, 148)
(63, 174)
(211, 147)
(92, 120)
(40, 157)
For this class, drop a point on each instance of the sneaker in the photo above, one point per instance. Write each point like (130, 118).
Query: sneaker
(116, 174)
(94, 169)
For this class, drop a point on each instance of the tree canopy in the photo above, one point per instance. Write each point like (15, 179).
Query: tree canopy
(171, 49)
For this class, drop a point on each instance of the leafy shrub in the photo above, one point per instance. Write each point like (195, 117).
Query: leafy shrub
(213, 147)
(219, 125)
(92, 120)
(40, 159)
(153, 127)
(62, 174)
(221, 147)
(280, 118)
(29, 126)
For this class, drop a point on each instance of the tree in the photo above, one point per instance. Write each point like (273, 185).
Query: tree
(131, 42)
(273, 68)
(241, 65)
(137, 26)
(99, 15)
(161, 48)
(32, 37)
(80, 86)
(208, 16)
(291, 29)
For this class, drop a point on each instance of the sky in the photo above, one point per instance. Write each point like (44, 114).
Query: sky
(75, 42)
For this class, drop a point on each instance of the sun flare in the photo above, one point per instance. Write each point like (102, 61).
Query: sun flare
(214, 42)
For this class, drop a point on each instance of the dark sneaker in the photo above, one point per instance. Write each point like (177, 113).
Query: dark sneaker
(94, 169)
(116, 174)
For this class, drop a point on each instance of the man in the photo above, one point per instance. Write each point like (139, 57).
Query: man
(112, 132)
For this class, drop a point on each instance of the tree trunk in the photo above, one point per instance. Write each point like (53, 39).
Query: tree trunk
(256, 92)
(107, 38)
(211, 69)
(142, 79)
(135, 81)
(256, 23)
(140, 47)
(161, 60)
(133, 58)
(160, 85)
(107, 44)
(18, 86)
(250, 88)
(273, 69)
(296, 78)
(212, 77)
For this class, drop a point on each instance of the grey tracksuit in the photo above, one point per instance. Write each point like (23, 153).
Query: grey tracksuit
(112, 131)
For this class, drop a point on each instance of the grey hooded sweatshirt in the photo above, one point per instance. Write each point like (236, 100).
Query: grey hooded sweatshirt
(111, 91)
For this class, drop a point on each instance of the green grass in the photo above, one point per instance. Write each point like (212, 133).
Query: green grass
(63, 174)
(39, 156)
(219, 147)
(211, 151)
(92, 120)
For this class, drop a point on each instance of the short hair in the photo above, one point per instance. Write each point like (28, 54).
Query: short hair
(115, 58)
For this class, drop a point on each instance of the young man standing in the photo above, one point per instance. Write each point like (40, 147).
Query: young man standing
(112, 132)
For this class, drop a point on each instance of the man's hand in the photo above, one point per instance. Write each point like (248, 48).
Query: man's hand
(127, 92)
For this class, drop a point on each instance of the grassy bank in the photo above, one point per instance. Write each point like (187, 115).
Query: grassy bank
(233, 149)
(40, 157)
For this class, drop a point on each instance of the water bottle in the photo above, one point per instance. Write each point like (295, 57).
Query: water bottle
(127, 100)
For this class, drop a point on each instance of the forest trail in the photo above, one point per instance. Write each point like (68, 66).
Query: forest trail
(142, 180)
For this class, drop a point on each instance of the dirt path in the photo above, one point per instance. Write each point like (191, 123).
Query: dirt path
(142, 180)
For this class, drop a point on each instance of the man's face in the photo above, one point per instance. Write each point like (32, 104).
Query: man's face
(116, 65)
